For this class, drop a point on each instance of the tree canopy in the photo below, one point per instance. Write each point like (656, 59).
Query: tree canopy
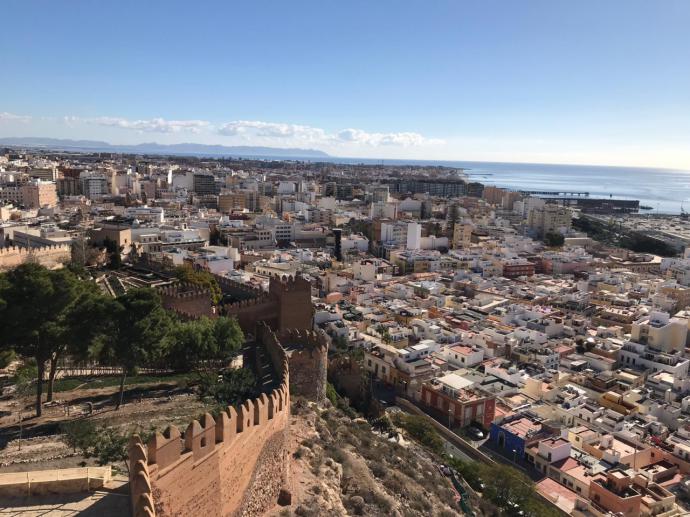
(53, 314)
(195, 343)
(33, 319)
(188, 274)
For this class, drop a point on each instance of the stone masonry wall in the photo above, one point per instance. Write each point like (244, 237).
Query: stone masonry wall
(187, 300)
(234, 465)
(308, 359)
(49, 256)
(286, 305)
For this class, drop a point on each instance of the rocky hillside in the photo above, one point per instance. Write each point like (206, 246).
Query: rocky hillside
(341, 466)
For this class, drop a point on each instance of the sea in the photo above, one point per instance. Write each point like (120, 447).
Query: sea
(662, 191)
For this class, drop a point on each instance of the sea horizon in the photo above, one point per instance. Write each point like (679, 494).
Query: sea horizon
(664, 190)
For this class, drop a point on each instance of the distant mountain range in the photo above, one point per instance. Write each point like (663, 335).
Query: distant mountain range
(59, 144)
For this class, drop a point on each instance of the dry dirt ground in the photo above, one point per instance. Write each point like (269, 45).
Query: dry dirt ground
(41, 446)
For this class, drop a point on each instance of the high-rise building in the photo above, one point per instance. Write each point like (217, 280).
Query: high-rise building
(239, 200)
(380, 194)
(414, 236)
(44, 173)
(93, 185)
(39, 194)
(550, 218)
(462, 235)
(68, 186)
(204, 184)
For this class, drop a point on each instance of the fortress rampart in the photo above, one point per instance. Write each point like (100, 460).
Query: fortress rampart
(235, 464)
(187, 300)
(48, 256)
(307, 352)
(287, 304)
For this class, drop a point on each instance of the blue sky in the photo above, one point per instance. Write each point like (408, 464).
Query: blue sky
(547, 81)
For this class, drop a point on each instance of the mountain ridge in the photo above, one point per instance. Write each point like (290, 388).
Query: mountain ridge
(187, 148)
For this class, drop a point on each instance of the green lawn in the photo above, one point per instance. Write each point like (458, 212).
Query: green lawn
(112, 381)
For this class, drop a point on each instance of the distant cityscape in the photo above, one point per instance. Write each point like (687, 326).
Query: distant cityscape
(313, 313)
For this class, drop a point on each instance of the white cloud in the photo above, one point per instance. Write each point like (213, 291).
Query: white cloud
(271, 130)
(249, 131)
(154, 125)
(315, 135)
(12, 117)
(377, 139)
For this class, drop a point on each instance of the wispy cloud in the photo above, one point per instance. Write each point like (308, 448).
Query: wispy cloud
(405, 139)
(271, 130)
(250, 131)
(154, 125)
(4, 115)
(257, 128)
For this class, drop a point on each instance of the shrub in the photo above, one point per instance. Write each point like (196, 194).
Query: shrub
(230, 388)
(331, 394)
(25, 376)
(378, 470)
(394, 484)
(6, 357)
(383, 424)
(335, 453)
(79, 434)
(104, 443)
(419, 428)
(309, 443)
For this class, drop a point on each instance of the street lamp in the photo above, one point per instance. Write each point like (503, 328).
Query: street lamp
(515, 456)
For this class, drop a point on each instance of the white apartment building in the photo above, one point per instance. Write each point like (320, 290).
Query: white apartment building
(550, 218)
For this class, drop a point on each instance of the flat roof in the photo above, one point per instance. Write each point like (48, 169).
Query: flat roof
(455, 381)
(522, 426)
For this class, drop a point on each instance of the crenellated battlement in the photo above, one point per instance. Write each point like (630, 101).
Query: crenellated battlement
(19, 250)
(243, 304)
(48, 256)
(227, 284)
(309, 339)
(173, 470)
(187, 300)
(284, 283)
(183, 291)
(307, 352)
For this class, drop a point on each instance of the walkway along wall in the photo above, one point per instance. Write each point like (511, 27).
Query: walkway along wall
(236, 464)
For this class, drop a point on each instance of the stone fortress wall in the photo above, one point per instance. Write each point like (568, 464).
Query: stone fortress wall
(187, 300)
(236, 464)
(287, 304)
(308, 358)
(48, 256)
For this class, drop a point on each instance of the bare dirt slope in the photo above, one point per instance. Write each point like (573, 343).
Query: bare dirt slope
(341, 467)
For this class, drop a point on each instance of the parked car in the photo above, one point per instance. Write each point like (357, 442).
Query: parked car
(475, 433)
